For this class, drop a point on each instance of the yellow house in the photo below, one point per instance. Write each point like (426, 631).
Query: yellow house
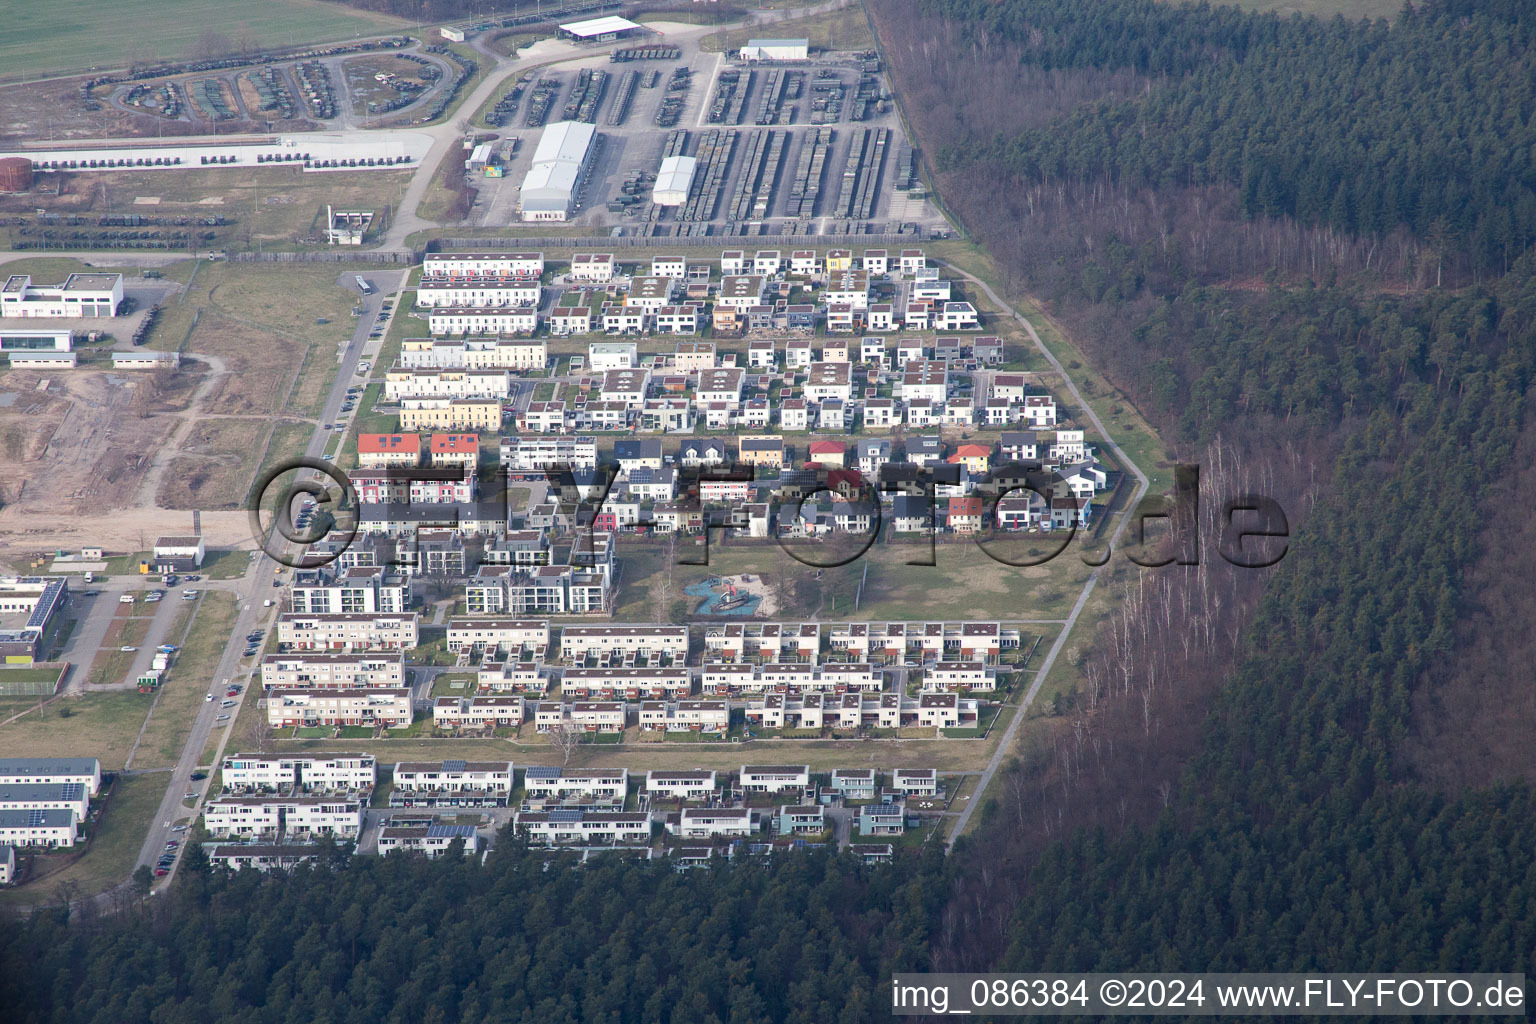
(974, 457)
(839, 260)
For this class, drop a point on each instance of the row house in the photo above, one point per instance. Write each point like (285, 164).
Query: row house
(583, 828)
(673, 319)
(346, 633)
(523, 638)
(915, 782)
(626, 683)
(536, 454)
(774, 778)
(415, 486)
(473, 354)
(82, 771)
(854, 783)
(296, 817)
(400, 384)
(577, 643)
(713, 716)
(478, 293)
(604, 415)
(519, 677)
(263, 857)
(800, 819)
(477, 414)
(589, 716)
(467, 320)
(792, 643)
(567, 320)
(478, 713)
(588, 789)
(45, 796)
(432, 840)
(536, 590)
(378, 451)
(380, 708)
(713, 823)
(298, 772)
(593, 267)
(327, 671)
(477, 265)
(704, 451)
(543, 417)
(55, 827)
(680, 785)
(620, 319)
(959, 675)
(451, 784)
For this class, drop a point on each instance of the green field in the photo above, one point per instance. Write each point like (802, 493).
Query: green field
(71, 35)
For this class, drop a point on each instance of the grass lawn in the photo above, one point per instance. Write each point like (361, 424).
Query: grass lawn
(187, 680)
(100, 725)
(83, 35)
(454, 684)
(108, 858)
(225, 564)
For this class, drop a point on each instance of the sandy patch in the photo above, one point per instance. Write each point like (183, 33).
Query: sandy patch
(146, 200)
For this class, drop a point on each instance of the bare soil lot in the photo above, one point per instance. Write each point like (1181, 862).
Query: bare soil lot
(214, 465)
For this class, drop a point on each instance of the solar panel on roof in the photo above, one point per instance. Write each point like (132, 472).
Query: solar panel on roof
(449, 831)
(565, 816)
(541, 772)
(454, 766)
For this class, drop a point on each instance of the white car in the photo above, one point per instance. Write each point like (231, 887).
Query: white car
(128, 648)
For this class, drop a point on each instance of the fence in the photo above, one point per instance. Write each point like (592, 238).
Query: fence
(606, 242)
(396, 256)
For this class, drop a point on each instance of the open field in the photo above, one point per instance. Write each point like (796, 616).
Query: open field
(214, 465)
(181, 696)
(100, 725)
(83, 35)
(109, 859)
(260, 206)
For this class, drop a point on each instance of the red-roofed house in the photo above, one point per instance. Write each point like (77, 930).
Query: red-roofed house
(974, 457)
(828, 453)
(375, 451)
(454, 450)
(965, 514)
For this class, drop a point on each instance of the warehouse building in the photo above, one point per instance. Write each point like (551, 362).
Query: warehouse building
(776, 49)
(673, 180)
(550, 186)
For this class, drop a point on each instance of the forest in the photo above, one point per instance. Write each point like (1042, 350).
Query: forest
(1325, 764)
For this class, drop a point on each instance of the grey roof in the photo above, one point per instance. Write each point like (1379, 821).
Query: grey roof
(34, 791)
(16, 767)
(52, 817)
(541, 772)
(450, 831)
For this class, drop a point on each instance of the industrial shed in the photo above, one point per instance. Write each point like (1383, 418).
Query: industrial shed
(598, 30)
(550, 185)
(776, 49)
(674, 180)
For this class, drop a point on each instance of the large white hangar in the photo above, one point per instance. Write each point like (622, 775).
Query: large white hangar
(673, 180)
(776, 49)
(598, 30)
(549, 187)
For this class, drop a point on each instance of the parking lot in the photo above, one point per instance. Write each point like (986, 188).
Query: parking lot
(778, 146)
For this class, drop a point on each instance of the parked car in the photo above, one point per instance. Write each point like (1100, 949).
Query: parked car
(199, 776)
(128, 648)
(162, 872)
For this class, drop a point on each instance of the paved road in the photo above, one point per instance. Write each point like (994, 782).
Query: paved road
(255, 587)
(1005, 745)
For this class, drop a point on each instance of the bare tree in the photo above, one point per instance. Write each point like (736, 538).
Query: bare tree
(565, 740)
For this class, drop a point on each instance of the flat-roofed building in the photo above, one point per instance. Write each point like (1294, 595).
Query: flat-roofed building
(579, 642)
(299, 772)
(479, 713)
(550, 184)
(494, 634)
(589, 789)
(680, 785)
(263, 856)
(313, 670)
(297, 816)
(81, 295)
(451, 783)
(774, 778)
(42, 796)
(84, 770)
(347, 633)
(432, 840)
(55, 827)
(482, 264)
(583, 828)
(713, 822)
(378, 707)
